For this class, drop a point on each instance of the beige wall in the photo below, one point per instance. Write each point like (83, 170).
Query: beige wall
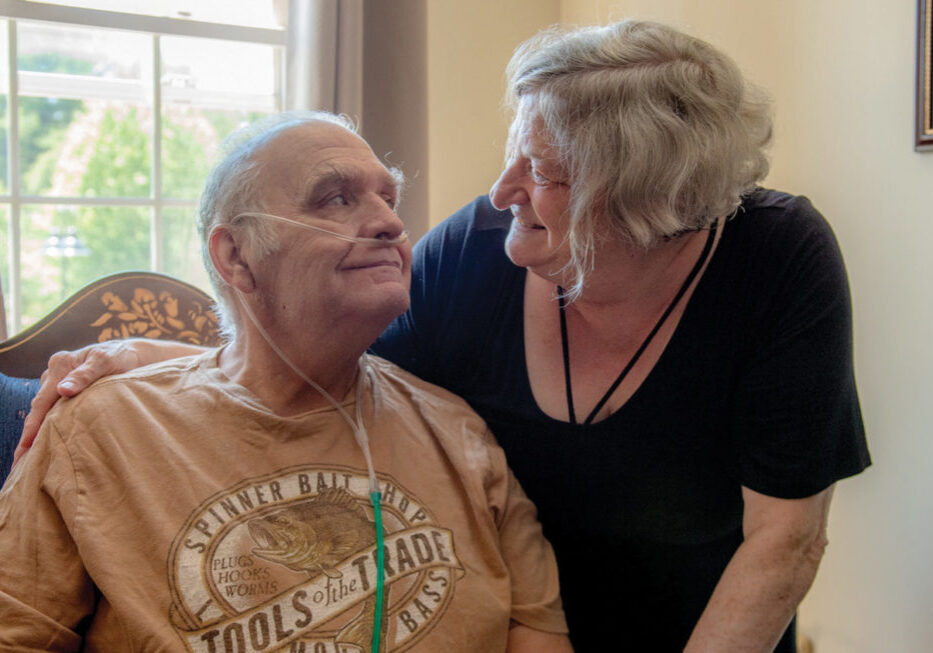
(841, 72)
(433, 82)
(469, 45)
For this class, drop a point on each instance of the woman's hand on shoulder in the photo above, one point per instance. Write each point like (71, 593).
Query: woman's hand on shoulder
(70, 372)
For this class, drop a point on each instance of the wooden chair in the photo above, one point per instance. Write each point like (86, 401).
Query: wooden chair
(125, 305)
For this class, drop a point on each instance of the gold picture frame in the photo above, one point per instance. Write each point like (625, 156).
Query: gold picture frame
(924, 121)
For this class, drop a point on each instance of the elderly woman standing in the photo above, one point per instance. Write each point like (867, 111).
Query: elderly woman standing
(662, 348)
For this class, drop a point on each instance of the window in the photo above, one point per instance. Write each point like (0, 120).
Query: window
(109, 122)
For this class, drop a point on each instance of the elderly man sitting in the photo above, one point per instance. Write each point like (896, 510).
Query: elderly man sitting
(285, 492)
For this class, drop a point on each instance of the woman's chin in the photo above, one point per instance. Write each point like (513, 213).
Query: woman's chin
(523, 250)
(538, 257)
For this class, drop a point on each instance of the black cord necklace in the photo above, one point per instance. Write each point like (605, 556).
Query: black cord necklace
(565, 343)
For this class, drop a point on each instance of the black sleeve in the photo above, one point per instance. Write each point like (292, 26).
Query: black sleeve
(441, 287)
(15, 398)
(408, 341)
(461, 282)
(797, 423)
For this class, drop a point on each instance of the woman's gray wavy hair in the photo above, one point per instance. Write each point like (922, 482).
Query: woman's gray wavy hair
(658, 130)
(232, 187)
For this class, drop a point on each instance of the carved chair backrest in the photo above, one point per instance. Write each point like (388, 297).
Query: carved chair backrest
(124, 305)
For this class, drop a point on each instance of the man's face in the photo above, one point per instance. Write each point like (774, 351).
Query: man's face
(322, 174)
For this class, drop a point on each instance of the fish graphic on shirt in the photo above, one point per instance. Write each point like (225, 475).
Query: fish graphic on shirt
(313, 536)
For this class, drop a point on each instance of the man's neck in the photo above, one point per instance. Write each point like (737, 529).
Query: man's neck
(252, 363)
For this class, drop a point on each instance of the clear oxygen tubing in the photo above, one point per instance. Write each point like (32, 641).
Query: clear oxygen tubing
(362, 439)
(377, 242)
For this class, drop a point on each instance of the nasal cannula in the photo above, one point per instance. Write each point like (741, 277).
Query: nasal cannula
(377, 242)
(356, 425)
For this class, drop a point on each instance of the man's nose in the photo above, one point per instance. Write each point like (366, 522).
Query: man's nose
(381, 220)
(507, 190)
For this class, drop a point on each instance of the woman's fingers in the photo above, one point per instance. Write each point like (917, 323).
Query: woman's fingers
(68, 373)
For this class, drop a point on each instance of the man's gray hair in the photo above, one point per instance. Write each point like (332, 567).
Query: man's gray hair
(232, 188)
(658, 131)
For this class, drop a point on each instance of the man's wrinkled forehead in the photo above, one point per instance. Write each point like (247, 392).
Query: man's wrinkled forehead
(317, 151)
(310, 143)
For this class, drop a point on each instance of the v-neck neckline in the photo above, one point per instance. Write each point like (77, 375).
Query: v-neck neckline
(672, 342)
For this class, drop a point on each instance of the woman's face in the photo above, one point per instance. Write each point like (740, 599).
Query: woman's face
(535, 187)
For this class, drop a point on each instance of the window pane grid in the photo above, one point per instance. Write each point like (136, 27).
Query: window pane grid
(112, 153)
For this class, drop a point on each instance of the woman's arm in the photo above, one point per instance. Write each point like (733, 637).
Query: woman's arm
(768, 576)
(523, 639)
(70, 372)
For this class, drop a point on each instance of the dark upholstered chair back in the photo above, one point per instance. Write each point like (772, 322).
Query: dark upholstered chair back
(125, 305)
(15, 395)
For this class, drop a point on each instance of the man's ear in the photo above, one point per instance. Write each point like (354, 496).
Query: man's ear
(228, 259)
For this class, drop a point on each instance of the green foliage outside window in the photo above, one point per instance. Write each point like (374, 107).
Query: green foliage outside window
(101, 148)
(118, 164)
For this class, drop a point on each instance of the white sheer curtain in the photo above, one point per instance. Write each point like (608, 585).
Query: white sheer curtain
(324, 66)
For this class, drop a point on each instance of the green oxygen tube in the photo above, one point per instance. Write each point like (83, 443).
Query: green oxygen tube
(376, 498)
(362, 438)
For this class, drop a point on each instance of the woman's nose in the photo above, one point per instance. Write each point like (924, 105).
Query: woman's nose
(508, 191)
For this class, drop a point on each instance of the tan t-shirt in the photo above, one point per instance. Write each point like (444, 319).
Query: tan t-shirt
(168, 509)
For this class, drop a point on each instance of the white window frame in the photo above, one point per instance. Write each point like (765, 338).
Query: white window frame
(78, 87)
